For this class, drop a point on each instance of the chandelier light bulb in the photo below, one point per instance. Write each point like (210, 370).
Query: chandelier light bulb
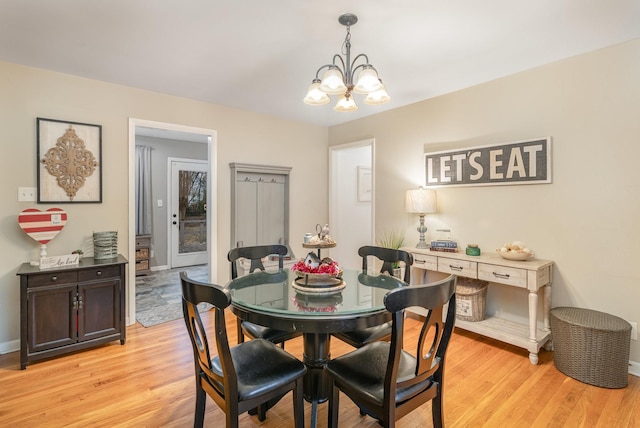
(378, 97)
(332, 82)
(368, 81)
(346, 103)
(315, 96)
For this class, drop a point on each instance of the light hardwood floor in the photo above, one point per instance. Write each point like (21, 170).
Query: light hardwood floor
(149, 383)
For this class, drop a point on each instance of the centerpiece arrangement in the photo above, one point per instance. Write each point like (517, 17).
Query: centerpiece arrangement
(318, 276)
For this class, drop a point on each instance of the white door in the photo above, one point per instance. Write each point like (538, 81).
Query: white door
(351, 200)
(188, 213)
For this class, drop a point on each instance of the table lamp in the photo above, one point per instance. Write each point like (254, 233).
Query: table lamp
(421, 202)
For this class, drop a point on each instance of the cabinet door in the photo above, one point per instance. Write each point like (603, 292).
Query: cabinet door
(52, 317)
(246, 213)
(99, 308)
(271, 202)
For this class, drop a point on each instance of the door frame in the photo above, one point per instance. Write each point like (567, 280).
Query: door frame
(212, 198)
(335, 190)
(170, 203)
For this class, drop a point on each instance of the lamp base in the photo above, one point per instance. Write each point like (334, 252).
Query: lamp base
(422, 229)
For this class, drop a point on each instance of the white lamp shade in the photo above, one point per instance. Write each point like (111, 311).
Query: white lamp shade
(315, 96)
(332, 82)
(368, 81)
(421, 201)
(378, 97)
(346, 104)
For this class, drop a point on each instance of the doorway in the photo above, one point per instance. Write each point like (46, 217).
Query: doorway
(351, 199)
(188, 212)
(168, 131)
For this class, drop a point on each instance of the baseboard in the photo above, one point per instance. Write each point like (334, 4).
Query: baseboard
(10, 346)
(156, 268)
(634, 368)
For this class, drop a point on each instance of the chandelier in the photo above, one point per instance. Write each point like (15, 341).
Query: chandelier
(338, 79)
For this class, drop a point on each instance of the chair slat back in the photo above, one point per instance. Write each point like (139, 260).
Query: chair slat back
(435, 333)
(194, 293)
(255, 254)
(388, 256)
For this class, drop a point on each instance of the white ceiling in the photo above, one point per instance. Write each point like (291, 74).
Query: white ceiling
(261, 55)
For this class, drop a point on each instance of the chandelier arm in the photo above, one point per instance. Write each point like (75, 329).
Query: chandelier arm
(344, 67)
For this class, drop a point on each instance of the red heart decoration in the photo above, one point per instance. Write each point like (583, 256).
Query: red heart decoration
(42, 226)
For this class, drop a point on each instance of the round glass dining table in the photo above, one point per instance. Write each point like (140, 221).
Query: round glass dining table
(275, 299)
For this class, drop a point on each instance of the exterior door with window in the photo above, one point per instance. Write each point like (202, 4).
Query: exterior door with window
(188, 215)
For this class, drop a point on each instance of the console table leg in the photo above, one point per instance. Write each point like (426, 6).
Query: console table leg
(533, 316)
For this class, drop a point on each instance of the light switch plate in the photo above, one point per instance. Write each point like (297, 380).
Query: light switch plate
(26, 194)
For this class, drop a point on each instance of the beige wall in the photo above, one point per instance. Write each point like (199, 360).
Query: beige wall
(586, 220)
(27, 93)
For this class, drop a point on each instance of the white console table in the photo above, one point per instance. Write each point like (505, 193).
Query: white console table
(531, 275)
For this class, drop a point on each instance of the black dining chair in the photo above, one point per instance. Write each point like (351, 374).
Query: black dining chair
(389, 257)
(383, 379)
(255, 254)
(239, 378)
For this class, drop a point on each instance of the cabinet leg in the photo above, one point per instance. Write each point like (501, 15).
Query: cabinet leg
(533, 358)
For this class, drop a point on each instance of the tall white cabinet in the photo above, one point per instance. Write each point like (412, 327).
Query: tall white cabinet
(259, 205)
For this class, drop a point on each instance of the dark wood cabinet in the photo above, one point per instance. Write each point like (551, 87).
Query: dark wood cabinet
(71, 308)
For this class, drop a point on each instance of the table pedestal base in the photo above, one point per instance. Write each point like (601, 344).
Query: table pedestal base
(316, 383)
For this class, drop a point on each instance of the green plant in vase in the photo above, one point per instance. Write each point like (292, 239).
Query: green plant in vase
(393, 239)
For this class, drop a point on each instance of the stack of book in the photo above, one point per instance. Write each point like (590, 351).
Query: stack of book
(444, 245)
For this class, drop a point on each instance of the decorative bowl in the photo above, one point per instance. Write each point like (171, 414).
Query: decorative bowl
(515, 255)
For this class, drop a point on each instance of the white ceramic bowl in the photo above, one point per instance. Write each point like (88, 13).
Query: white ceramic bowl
(514, 255)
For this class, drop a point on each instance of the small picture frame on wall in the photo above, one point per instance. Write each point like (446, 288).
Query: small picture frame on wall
(364, 184)
(69, 162)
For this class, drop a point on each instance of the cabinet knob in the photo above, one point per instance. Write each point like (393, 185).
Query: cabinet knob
(98, 273)
(54, 278)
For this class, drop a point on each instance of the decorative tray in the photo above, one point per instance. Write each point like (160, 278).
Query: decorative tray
(323, 290)
(318, 279)
(327, 245)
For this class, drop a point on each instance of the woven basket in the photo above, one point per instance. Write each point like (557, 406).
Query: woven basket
(591, 346)
(471, 299)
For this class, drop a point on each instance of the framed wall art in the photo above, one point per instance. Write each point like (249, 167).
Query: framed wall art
(69, 162)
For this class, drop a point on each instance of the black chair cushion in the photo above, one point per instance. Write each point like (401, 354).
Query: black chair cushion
(277, 367)
(272, 335)
(366, 368)
(358, 338)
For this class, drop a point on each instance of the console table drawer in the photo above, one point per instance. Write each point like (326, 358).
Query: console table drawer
(53, 278)
(458, 267)
(99, 273)
(422, 261)
(503, 275)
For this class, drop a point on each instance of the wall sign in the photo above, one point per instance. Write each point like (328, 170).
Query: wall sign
(524, 162)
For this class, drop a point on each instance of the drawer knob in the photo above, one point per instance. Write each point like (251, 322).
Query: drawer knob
(501, 275)
(419, 262)
(458, 268)
(54, 278)
(98, 273)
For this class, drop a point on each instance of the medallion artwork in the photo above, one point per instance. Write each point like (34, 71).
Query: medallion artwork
(70, 162)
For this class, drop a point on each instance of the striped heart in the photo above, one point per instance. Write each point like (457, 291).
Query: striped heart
(42, 226)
